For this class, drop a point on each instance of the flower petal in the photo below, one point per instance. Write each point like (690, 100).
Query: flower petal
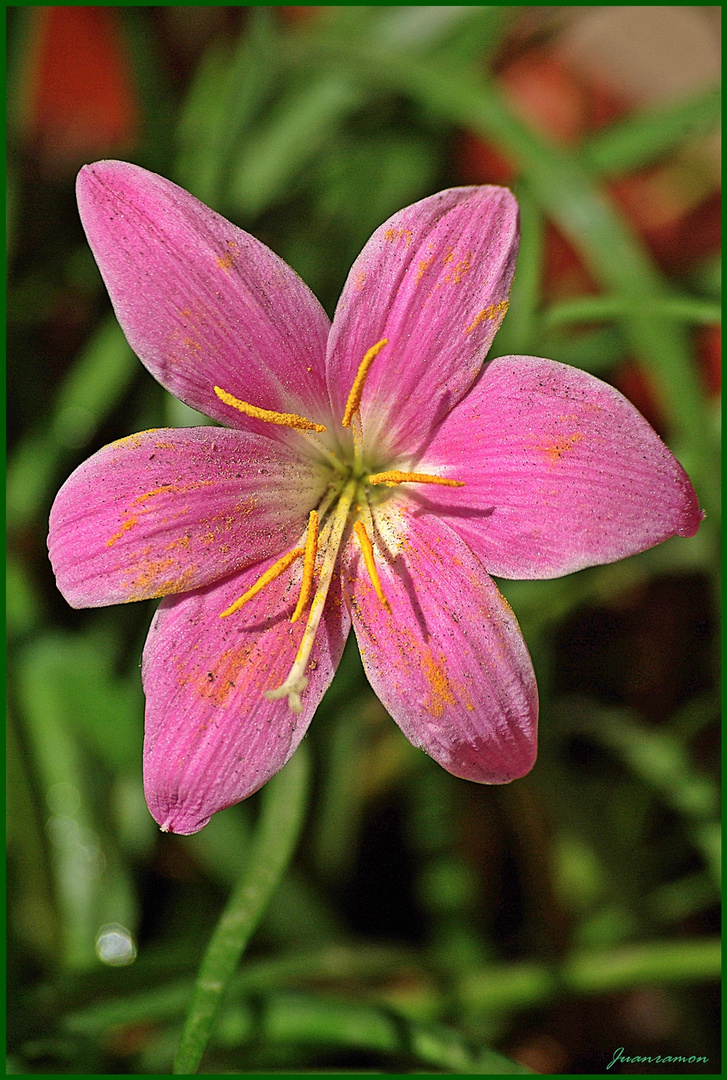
(433, 280)
(560, 472)
(448, 662)
(212, 738)
(201, 302)
(169, 510)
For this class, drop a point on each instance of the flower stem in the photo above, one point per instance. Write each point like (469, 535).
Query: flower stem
(281, 816)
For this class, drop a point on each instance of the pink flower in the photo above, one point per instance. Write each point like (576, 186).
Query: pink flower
(372, 472)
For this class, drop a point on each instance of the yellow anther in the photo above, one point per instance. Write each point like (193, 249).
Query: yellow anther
(284, 418)
(368, 556)
(270, 575)
(393, 476)
(354, 398)
(309, 562)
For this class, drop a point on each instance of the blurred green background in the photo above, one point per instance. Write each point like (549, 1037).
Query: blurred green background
(423, 920)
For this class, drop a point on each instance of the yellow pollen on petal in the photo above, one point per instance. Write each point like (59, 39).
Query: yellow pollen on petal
(291, 420)
(354, 398)
(393, 476)
(368, 555)
(490, 312)
(128, 524)
(270, 574)
(309, 562)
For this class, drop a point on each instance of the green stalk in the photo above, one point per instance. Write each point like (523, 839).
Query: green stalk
(687, 309)
(274, 840)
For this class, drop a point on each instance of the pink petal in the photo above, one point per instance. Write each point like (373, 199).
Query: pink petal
(449, 662)
(169, 510)
(434, 280)
(201, 302)
(212, 738)
(560, 472)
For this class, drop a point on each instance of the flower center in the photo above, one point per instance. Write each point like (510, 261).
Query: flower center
(350, 500)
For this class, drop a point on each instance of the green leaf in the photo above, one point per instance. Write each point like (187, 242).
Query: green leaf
(102, 710)
(92, 886)
(318, 1021)
(663, 764)
(642, 139)
(687, 309)
(274, 156)
(98, 379)
(230, 88)
(592, 971)
(596, 351)
(360, 962)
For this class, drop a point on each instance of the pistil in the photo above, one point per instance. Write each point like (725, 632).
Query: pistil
(297, 680)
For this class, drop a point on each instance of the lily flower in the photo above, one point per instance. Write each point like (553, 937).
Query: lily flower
(372, 471)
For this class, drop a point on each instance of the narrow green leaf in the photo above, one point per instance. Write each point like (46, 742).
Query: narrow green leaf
(687, 309)
(674, 901)
(32, 916)
(305, 119)
(663, 764)
(359, 962)
(667, 961)
(92, 885)
(100, 376)
(643, 138)
(467, 32)
(506, 986)
(315, 1020)
(230, 88)
(594, 350)
(274, 839)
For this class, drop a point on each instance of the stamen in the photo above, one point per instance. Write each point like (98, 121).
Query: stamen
(297, 681)
(354, 398)
(285, 419)
(270, 575)
(309, 562)
(368, 554)
(393, 476)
